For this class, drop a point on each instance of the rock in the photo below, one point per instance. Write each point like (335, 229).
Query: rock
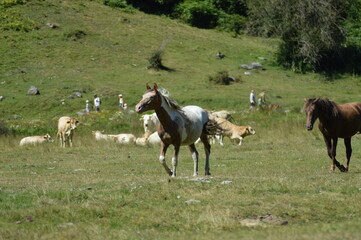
(33, 91)
(226, 182)
(192, 201)
(78, 94)
(254, 65)
(1, 98)
(17, 116)
(52, 25)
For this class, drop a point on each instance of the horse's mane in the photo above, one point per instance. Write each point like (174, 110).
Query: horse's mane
(168, 100)
(327, 106)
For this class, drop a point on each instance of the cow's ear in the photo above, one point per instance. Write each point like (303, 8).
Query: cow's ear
(76, 122)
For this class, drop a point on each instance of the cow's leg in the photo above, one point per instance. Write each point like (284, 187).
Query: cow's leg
(220, 139)
(163, 150)
(347, 142)
(194, 153)
(62, 139)
(240, 141)
(207, 149)
(70, 137)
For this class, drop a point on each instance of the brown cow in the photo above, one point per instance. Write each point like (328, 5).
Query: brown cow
(233, 131)
(66, 127)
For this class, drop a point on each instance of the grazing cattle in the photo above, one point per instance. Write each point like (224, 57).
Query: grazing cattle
(233, 131)
(36, 140)
(66, 128)
(150, 122)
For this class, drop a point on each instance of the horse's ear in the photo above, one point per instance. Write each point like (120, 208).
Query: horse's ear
(147, 86)
(155, 87)
(305, 100)
(315, 100)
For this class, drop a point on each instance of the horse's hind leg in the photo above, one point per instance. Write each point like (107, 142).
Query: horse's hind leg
(347, 142)
(163, 150)
(207, 149)
(194, 152)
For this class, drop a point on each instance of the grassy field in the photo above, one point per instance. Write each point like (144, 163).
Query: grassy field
(105, 191)
(278, 180)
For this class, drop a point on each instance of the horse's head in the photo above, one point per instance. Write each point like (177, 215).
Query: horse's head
(151, 100)
(311, 112)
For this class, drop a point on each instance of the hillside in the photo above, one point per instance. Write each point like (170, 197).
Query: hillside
(98, 49)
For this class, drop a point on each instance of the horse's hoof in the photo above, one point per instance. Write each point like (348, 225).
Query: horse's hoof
(207, 174)
(343, 169)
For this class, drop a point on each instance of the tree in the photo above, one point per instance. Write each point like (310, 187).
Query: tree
(309, 29)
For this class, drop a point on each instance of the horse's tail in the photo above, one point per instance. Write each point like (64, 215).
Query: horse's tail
(212, 128)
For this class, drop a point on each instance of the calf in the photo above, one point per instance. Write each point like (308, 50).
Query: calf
(36, 140)
(233, 131)
(66, 128)
(150, 122)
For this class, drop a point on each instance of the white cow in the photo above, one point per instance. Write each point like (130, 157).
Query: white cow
(148, 138)
(66, 128)
(123, 138)
(150, 122)
(36, 140)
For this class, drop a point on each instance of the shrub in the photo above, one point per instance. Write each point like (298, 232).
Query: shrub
(200, 14)
(116, 3)
(155, 60)
(223, 78)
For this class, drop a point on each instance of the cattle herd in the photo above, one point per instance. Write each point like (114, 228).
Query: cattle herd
(67, 126)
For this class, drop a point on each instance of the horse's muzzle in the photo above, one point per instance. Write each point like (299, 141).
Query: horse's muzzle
(309, 127)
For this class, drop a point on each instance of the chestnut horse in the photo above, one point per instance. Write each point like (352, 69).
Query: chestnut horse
(335, 121)
(178, 126)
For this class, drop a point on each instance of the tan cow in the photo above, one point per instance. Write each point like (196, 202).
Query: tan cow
(233, 131)
(36, 140)
(66, 128)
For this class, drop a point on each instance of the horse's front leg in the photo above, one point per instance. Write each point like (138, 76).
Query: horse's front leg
(163, 150)
(207, 149)
(194, 153)
(333, 156)
(347, 142)
(175, 159)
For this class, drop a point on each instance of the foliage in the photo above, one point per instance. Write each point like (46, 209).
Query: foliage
(118, 4)
(312, 32)
(10, 3)
(223, 78)
(200, 14)
(11, 19)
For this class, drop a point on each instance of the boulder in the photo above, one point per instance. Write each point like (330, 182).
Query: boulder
(33, 91)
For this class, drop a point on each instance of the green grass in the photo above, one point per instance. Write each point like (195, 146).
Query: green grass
(105, 191)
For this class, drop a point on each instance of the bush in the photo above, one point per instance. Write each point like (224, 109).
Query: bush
(155, 60)
(202, 14)
(232, 23)
(116, 3)
(223, 78)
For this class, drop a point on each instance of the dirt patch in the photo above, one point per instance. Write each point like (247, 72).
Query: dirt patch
(264, 220)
